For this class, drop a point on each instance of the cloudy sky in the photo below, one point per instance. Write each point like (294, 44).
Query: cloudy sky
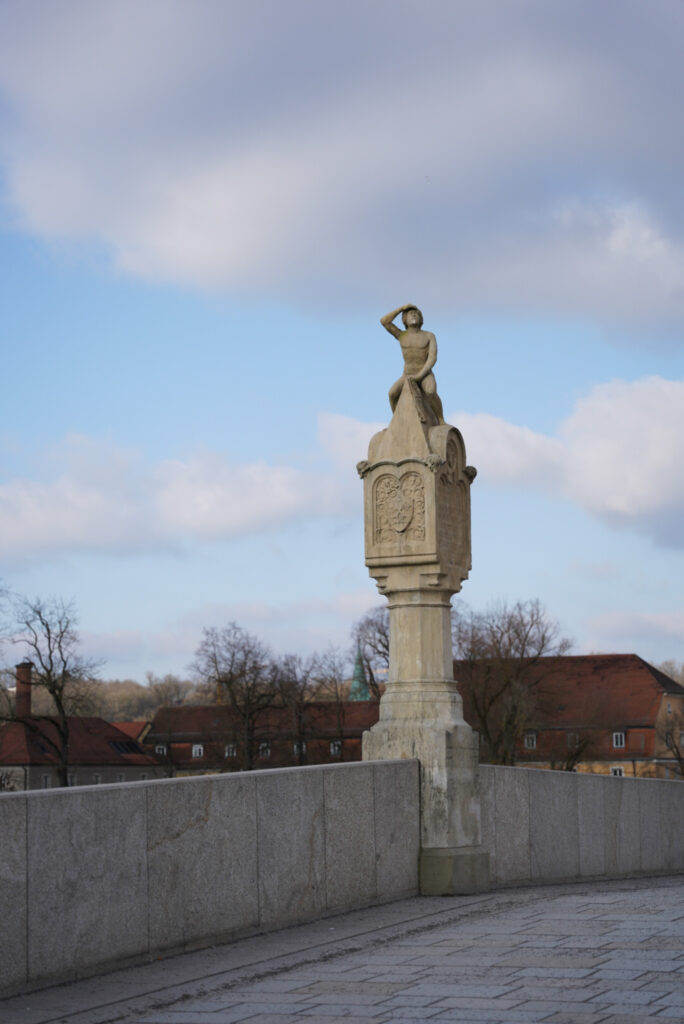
(206, 206)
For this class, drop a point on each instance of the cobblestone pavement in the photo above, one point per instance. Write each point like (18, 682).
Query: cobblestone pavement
(591, 953)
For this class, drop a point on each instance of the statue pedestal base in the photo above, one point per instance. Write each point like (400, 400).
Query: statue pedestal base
(459, 871)
(452, 861)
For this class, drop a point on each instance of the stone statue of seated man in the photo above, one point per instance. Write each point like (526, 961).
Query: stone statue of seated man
(419, 349)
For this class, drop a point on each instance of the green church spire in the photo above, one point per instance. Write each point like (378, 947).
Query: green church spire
(359, 687)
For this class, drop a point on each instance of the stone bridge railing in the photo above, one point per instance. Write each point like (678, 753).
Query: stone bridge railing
(99, 876)
(96, 877)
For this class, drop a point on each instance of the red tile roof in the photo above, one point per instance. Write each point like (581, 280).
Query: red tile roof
(599, 691)
(609, 690)
(134, 730)
(197, 723)
(91, 741)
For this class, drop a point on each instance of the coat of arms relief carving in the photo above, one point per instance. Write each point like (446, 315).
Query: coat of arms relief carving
(399, 508)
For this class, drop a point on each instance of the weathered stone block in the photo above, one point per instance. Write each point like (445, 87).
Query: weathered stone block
(456, 872)
(512, 812)
(13, 892)
(650, 834)
(349, 836)
(592, 824)
(485, 788)
(554, 829)
(87, 883)
(397, 828)
(291, 862)
(671, 800)
(202, 867)
(621, 803)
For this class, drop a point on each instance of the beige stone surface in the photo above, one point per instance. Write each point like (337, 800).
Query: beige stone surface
(417, 541)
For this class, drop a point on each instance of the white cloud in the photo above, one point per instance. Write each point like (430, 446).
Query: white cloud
(344, 439)
(639, 631)
(514, 161)
(618, 455)
(210, 498)
(100, 498)
(509, 454)
(302, 626)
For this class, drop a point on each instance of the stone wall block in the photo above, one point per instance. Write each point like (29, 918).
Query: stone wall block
(629, 845)
(397, 828)
(349, 836)
(202, 864)
(554, 828)
(291, 855)
(621, 804)
(671, 801)
(650, 832)
(512, 813)
(591, 819)
(86, 879)
(13, 892)
(486, 788)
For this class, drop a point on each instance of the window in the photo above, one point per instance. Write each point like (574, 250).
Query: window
(72, 779)
(46, 782)
(120, 777)
(264, 750)
(97, 779)
(618, 740)
(617, 772)
(335, 748)
(231, 750)
(668, 740)
(573, 740)
(299, 748)
(530, 741)
(160, 749)
(125, 747)
(669, 709)
(198, 750)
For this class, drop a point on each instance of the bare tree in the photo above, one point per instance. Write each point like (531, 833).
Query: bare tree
(298, 686)
(499, 671)
(44, 631)
(370, 636)
(332, 673)
(671, 734)
(124, 700)
(169, 689)
(245, 677)
(673, 669)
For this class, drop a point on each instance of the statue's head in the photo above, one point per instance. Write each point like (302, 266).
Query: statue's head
(412, 317)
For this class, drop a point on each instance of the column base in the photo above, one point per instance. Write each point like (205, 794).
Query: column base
(454, 871)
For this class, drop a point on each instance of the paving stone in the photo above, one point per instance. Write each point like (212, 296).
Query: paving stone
(578, 1016)
(626, 995)
(542, 971)
(474, 960)
(478, 1003)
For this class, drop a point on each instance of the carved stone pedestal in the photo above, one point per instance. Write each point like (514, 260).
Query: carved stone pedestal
(417, 533)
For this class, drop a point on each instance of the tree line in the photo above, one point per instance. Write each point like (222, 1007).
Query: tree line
(499, 655)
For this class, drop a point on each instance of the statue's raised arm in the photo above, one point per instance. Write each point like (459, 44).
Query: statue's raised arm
(419, 349)
(388, 318)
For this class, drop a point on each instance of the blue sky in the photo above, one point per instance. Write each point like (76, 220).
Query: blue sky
(204, 210)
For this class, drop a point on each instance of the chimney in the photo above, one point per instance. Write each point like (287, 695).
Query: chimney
(22, 701)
